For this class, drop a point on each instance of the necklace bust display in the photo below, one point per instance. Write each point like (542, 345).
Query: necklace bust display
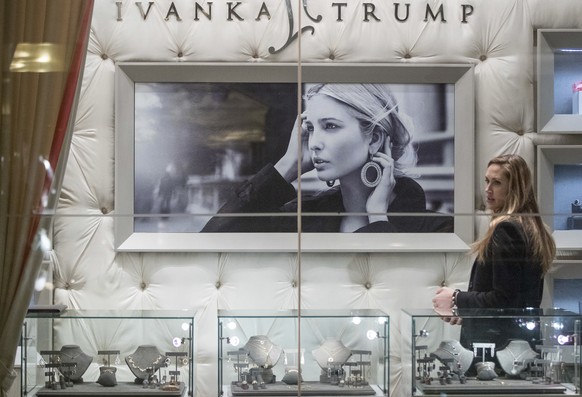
(331, 352)
(514, 357)
(454, 355)
(262, 351)
(145, 361)
(72, 354)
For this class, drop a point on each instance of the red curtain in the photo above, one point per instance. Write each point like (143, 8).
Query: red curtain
(43, 52)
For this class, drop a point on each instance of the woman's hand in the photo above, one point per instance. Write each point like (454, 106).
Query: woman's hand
(442, 303)
(383, 194)
(443, 299)
(287, 166)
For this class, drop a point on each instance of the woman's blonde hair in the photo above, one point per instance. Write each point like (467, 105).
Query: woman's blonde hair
(520, 205)
(376, 109)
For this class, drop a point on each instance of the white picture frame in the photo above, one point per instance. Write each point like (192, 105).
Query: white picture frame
(548, 157)
(459, 77)
(559, 53)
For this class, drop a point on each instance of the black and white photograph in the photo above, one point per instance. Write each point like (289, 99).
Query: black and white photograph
(209, 154)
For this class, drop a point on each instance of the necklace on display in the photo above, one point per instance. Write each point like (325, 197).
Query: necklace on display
(331, 352)
(151, 365)
(262, 351)
(452, 350)
(520, 351)
(71, 357)
(71, 352)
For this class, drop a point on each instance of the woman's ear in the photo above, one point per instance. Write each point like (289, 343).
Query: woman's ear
(377, 141)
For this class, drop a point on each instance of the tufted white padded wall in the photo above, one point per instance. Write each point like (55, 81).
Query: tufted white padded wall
(498, 39)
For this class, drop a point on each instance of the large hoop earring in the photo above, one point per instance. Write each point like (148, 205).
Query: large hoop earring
(371, 174)
(330, 183)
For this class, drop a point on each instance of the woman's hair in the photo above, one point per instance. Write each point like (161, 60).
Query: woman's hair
(520, 205)
(375, 107)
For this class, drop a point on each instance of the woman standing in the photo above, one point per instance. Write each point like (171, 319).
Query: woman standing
(512, 259)
(517, 250)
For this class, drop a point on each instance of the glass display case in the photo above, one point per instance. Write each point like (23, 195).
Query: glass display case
(114, 353)
(492, 352)
(314, 353)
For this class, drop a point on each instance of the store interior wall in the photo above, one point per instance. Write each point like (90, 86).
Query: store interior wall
(498, 39)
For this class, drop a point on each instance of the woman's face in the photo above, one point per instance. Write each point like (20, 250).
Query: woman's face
(497, 186)
(337, 145)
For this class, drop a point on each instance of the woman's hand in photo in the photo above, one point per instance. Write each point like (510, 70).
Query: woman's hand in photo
(383, 194)
(287, 166)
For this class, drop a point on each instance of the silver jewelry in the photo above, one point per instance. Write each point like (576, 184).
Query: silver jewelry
(262, 351)
(80, 361)
(145, 361)
(331, 352)
(485, 370)
(134, 365)
(514, 357)
(330, 183)
(452, 352)
(371, 174)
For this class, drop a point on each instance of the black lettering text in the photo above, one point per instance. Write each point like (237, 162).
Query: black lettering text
(467, 10)
(369, 9)
(339, 10)
(432, 15)
(231, 11)
(144, 14)
(172, 11)
(207, 14)
(396, 14)
(263, 11)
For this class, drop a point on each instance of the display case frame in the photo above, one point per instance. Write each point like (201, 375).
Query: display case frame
(539, 340)
(548, 157)
(568, 270)
(305, 339)
(101, 365)
(552, 45)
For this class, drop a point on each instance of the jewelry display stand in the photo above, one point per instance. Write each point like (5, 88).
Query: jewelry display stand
(144, 362)
(456, 357)
(516, 356)
(486, 369)
(162, 366)
(336, 357)
(77, 359)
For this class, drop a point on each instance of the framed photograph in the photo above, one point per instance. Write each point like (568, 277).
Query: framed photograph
(207, 142)
(559, 85)
(559, 189)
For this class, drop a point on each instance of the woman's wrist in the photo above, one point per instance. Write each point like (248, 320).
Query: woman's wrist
(454, 304)
(377, 218)
(287, 169)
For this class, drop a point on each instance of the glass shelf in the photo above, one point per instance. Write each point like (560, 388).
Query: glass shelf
(493, 352)
(140, 351)
(318, 353)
